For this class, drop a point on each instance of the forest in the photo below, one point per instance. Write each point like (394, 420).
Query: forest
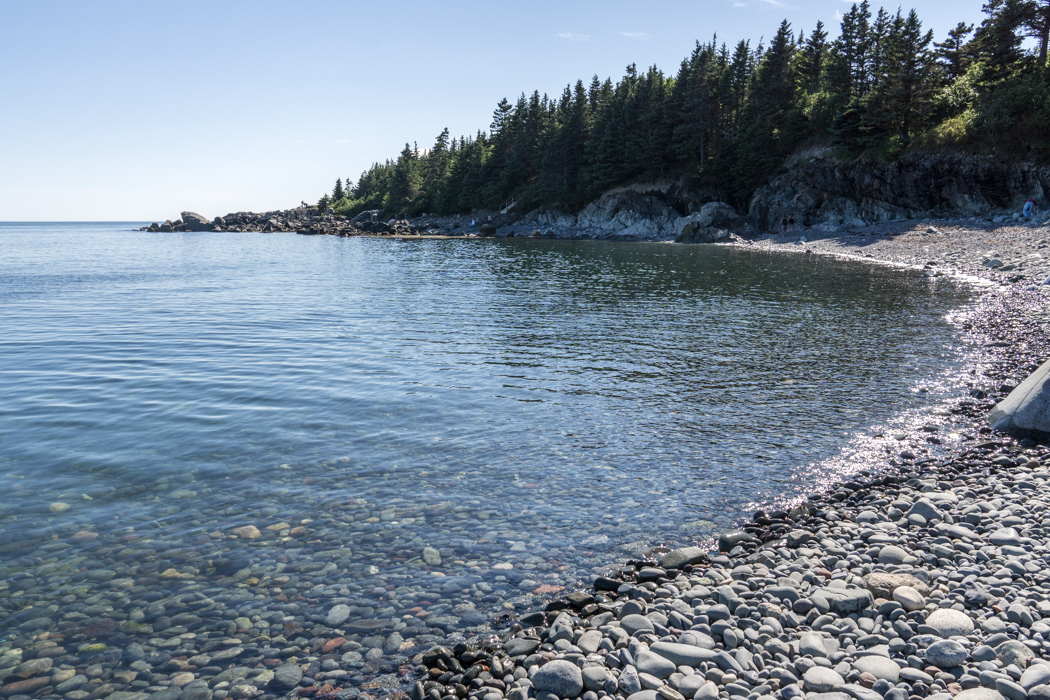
(732, 116)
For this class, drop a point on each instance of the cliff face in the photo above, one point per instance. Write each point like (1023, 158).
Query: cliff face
(824, 191)
(641, 211)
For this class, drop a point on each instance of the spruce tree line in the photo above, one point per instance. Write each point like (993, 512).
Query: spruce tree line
(730, 118)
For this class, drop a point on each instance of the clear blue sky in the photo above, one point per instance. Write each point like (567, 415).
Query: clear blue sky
(136, 110)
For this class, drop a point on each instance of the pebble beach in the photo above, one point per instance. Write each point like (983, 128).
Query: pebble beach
(924, 574)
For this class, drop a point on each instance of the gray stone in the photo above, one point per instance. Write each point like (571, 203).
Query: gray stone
(926, 509)
(682, 654)
(950, 623)
(783, 593)
(859, 692)
(690, 684)
(882, 585)
(983, 653)
(1034, 675)
(678, 558)
(1027, 409)
(337, 615)
(822, 680)
(728, 663)
(828, 696)
(892, 555)
(1005, 537)
(947, 653)
(912, 675)
(697, 639)
(563, 678)
(166, 694)
(668, 693)
(431, 556)
(1020, 615)
(644, 695)
(843, 601)
(195, 692)
(812, 644)
(589, 641)
(522, 646)
(636, 623)
(654, 664)
(629, 682)
(728, 540)
(1010, 690)
(594, 678)
(909, 598)
(286, 677)
(708, 691)
(979, 694)
(1014, 652)
(880, 667)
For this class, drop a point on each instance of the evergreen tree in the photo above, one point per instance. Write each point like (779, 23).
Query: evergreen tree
(406, 182)
(905, 84)
(811, 59)
(771, 126)
(953, 54)
(731, 116)
(998, 40)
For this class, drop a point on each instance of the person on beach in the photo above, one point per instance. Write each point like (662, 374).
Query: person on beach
(1030, 207)
(791, 224)
(783, 225)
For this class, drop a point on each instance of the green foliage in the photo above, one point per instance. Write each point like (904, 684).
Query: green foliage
(731, 117)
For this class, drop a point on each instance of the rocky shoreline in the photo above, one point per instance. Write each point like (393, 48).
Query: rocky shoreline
(925, 576)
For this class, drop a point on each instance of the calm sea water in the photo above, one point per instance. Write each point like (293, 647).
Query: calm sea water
(530, 410)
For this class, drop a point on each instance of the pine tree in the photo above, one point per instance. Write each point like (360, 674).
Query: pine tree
(406, 182)
(998, 40)
(904, 87)
(953, 54)
(337, 191)
(771, 126)
(811, 59)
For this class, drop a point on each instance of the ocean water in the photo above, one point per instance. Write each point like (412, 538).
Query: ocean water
(209, 441)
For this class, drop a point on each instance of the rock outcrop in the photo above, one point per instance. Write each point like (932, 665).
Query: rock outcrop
(823, 190)
(1026, 411)
(709, 225)
(648, 211)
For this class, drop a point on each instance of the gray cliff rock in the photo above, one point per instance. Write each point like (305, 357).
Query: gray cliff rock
(826, 191)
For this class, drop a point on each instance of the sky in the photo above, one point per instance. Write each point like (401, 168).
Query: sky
(135, 111)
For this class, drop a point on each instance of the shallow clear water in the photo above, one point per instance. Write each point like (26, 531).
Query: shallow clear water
(531, 409)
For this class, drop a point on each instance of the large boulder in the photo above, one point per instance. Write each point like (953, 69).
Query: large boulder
(192, 221)
(701, 234)
(370, 215)
(718, 215)
(637, 211)
(707, 225)
(1026, 411)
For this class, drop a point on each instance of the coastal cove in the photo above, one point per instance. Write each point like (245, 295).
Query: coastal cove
(244, 519)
